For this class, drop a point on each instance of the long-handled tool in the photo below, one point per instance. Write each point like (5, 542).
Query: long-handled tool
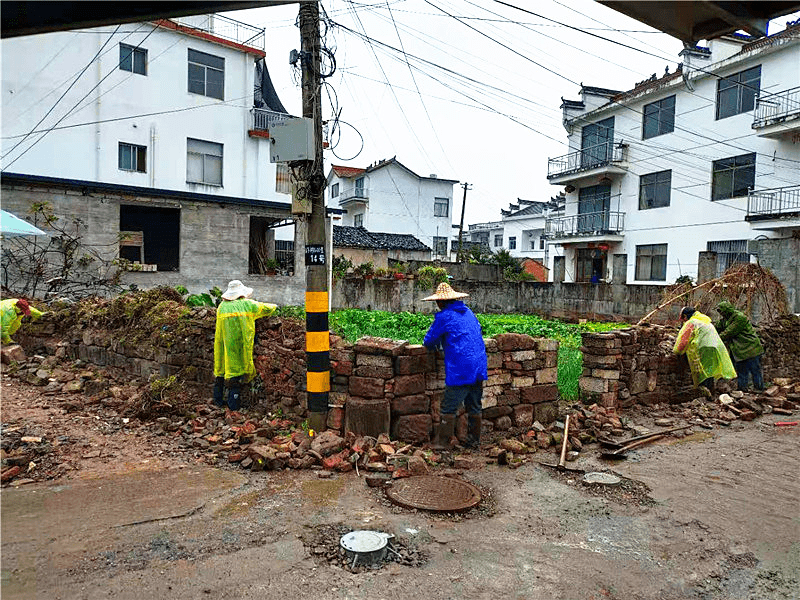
(606, 443)
(562, 460)
(621, 452)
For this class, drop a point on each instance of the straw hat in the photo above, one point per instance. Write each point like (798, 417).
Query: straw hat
(445, 292)
(236, 289)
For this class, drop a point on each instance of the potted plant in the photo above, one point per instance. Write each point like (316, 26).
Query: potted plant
(271, 266)
(365, 270)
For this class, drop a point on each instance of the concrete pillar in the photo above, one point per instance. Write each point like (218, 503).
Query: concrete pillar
(559, 269)
(706, 266)
(619, 274)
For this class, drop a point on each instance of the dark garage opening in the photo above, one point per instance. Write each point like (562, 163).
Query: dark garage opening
(161, 229)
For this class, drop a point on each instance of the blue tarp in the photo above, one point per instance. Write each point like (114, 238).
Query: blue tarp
(11, 225)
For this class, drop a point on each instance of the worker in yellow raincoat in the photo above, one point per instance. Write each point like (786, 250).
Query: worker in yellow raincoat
(705, 350)
(233, 341)
(12, 311)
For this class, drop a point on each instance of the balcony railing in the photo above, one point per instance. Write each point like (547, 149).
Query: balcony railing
(587, 158)
(226, 28)
(354, 194)
(775, 202)
(776, 107)
(485, 226)
(586, 224)
(262, 118)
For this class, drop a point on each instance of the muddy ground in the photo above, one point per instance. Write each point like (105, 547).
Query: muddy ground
(714, 515)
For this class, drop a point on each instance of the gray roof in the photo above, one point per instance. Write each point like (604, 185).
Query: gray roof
(358, 237)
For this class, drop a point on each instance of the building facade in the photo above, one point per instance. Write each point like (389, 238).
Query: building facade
(389, 197)
(706, 158)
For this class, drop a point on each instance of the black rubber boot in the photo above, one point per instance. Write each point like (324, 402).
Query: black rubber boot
(444, 433)
(234, 393)
(219, 388)
(474, 424)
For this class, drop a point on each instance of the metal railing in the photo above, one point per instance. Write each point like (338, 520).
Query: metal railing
(263, 118)
(775, 202)
(226, 28)
(587, 158)
(354, 194)
(775, 107)
(485, 226)
(595, 223)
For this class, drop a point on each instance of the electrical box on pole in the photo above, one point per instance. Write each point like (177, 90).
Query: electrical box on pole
(292, 139)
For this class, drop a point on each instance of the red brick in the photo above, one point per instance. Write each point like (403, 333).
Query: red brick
(539, 393)
(510, 342)
(374, 372)
(406, 385)
(335, 418)
(413, 428)
(366, 387)
(409, 405)
(408, 365)
(523, 415)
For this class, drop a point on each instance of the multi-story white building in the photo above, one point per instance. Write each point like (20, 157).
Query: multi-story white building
(162, 129)
(389, 197)
(705, 158)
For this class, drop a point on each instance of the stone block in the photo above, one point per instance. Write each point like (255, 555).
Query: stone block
(419, 363)
(376, 345)
(497, 411)
(547, 375)
(605, 373)
(510, 342)
(595, 360)
(494, 360)
(366, 387)
(652, 380)
(413, 429)
(12, 353)
(521, 355)
(551, 359)
(434, 382)
(545, 412)
(415, 349)
(336, 418)
(523, 382)
(491, 345)
(593, 385)
(406, 385)
(503, 423)
(374, 372)
(547, 345)
(373, 360)
(499, 379)
(489, 400)
(409, 405)
(638, 383)
(341, 367)
(539, 393)
(523, 415)
(367, 416)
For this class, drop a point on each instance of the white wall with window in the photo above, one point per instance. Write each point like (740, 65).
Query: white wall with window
(691, 157)
(156, 88)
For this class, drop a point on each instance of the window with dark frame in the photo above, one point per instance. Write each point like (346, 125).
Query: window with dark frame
(651, 262)
(206, 74)
(131, 157)
(512, 243)
(654, 190)
(440, 207)
(733, 177)
(737, 93)
(541, 243)
(335, 190)
(203, 162)
(658, 117)
(440, 246)
(358, 220)
(161, 235)
(132, 59)
(498, 240)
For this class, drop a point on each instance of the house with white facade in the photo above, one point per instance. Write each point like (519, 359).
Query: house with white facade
(155, 132)
(705, 158)
(389, 197)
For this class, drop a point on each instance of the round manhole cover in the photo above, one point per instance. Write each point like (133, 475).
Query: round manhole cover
(601, 478)
(438, 494)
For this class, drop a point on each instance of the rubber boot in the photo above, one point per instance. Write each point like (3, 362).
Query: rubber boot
(234, 393)
(474, 424)
(219, 387)
(444, 433)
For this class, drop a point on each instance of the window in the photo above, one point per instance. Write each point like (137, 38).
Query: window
(266, 254)
(654, 190)
(440, 246)
(651, 262)
(160, 234)
(737, 93)
(512, 243)
(358, 220)
(132, 59)
(541, 243)
(132, 157)
(203, 162)
(335, 190)
(440, 207)
(498, 240)
(729, 253)
(206, 74)
(597, 143)
(533, 243)
(360, 188)
(594, 205)
(733, 177)
(590, 265)
(659, 118)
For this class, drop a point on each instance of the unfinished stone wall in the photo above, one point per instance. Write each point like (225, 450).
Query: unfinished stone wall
(636, 365)
(400, 383)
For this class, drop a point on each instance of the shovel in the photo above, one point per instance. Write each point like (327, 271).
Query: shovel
(606, 443)
(621, 452)
(561, 466)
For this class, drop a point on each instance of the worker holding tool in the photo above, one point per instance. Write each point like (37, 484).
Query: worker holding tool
(12, 311)
(456, 330)
(707, 355)
(736, 330)
(234, 339)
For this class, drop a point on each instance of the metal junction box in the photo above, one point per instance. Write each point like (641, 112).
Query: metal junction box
(292, 139)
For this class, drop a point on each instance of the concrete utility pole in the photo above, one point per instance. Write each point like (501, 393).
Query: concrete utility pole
(466, 187)
(312, 185)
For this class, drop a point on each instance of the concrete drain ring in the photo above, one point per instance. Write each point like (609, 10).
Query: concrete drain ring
(436, 494)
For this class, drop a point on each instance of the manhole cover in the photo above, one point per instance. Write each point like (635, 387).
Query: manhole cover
(438, 494)
(601, 478)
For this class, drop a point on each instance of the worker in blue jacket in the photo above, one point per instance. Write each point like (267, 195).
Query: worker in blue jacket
(456, 330)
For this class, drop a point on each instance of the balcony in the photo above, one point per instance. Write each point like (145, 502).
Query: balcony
(589, 227)
(777, 114)
(777, 207)
(225, 28)
(349, 196)
(478, 227)
(606, 159)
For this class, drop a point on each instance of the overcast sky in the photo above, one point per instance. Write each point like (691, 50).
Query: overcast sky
(468, 90)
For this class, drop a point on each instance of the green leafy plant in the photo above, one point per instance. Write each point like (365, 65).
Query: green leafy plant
(429, 277)
(341, 266)
(366, 269)
(685, 279)
(271, 265)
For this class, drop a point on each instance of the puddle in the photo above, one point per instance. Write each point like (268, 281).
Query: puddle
(322, 492)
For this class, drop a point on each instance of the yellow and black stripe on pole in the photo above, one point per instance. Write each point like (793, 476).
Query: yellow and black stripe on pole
(318, 377)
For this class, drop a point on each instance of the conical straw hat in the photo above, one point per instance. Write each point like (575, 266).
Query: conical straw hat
(445, 292)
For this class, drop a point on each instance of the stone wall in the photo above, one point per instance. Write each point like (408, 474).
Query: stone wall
(636, 365)
(782, 257)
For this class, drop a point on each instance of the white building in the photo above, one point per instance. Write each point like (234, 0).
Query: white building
(389, 197)
(705, 158)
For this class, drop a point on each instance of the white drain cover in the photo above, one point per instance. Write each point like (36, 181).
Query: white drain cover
(364, 541)
(601, 478)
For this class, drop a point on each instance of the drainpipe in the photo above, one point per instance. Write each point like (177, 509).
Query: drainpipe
(152, 155)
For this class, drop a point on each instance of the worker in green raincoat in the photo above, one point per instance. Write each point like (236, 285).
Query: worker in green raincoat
(736, 330)
(233, 341)
(12, 311)
(707, 355)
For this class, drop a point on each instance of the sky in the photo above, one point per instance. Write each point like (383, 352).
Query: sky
(467, 90)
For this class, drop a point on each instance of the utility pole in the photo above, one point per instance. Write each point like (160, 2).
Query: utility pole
(466, 187)
(311, 185)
